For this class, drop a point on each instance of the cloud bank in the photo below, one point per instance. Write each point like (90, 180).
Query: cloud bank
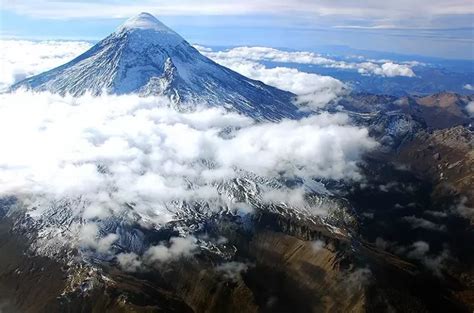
(138, 158)
(20, 59)
(133, 148)
(234, 58)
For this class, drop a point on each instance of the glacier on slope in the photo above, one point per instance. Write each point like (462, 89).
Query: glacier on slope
(146, 57)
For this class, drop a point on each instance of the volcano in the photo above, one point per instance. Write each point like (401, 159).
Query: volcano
(145, 57)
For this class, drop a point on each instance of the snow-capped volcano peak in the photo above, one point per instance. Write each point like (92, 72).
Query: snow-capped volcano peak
(145, 21)
(145, 30)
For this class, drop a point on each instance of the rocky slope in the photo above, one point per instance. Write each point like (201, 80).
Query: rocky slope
(446, 157)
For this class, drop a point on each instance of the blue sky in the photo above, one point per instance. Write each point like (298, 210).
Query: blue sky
(424, 27)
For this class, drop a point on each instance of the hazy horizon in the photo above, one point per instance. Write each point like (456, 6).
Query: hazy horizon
(444, 29)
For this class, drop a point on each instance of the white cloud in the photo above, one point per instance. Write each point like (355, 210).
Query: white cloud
(20, 58)
(178, 247)
(266, 54)
(90, 238)
(175, 248)
(358, 279)
(417, 222)
(318, 245)
(388, 69)
(470, 108)
(239, 57)
(381, 243)
(420, 251)
(463, 208)
(314, 91)
(232, 270)
(391, 70)
(468, 87)
(129, 262)
(293, 197)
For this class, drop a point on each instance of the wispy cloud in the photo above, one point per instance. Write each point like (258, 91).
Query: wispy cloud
(387, 10)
